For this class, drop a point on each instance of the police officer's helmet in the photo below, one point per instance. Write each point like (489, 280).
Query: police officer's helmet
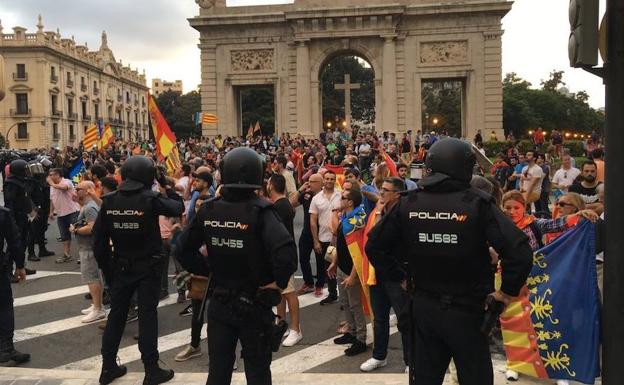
(242, 169)
(18, 168)
(35, 169)
(137, 172)
(452, 157)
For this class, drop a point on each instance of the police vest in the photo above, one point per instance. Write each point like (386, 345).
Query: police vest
(231, 232)
(447, 248)
(130, 219)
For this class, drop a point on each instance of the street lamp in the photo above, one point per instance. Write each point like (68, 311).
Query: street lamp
(6, 137)
(435, 124)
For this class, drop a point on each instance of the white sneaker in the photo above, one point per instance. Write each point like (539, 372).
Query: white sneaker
(563, 382)
(287, 333)
(372, 364)
(95, 315)
(293, 338)
(407, 370)
(511, 375)
(87, 310)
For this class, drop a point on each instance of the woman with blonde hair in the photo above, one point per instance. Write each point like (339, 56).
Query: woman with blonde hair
(381, 172)
(567, 204)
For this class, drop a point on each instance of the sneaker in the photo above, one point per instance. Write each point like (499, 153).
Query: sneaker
(318, 292)
(355, 349)
(293, 338)
(33, 257)
(188, 353)
(329, 299)
(305, 289)
(372, 364)
(345, 339)
(64, 259)
(133, 315)
(511, 375)
(15, 356)
(87, 310)
(563, 382)
(94, 315)
(187, 311)
(181, 298)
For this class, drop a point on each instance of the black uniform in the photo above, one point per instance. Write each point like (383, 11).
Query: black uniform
(9, 234)
(446, 229)
(17, 197)
(39, 192)
(248, 247)
(129, 218)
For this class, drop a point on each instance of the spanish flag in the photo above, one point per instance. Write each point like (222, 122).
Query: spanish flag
(390, 163)
(165, 139)
(107, 137)
(90, 138)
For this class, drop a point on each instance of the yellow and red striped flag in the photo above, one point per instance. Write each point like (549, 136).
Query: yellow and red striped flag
(209, 118)
(107, 137)
(165, 139)
(91, 137)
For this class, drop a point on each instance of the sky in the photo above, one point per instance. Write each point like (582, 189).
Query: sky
(155, 35)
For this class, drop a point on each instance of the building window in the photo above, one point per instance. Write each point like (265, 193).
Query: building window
(110, 112)
(83, 106)
(21, 102)
(96, 110)
(127, 97)
(95, 87)
(84, 129)
(156, 84)
(70, 107)
(55, 132)
(72, 134)
(22, 130)
(53, 77)
(21, 72)
(136, 118)
(54, 102)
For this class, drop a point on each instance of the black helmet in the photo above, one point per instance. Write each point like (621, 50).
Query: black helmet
(18, 168)
(137, 172)
(242, 169)
(452, 157)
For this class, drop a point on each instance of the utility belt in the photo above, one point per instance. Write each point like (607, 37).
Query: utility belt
(124, 264)
(254, 305)
(472, 304)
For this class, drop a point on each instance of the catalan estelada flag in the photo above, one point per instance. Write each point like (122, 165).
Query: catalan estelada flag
(353, 225)
(91, 137)
(165, 139)
(552, 330)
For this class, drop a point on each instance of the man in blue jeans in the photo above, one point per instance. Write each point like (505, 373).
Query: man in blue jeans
(391, 288)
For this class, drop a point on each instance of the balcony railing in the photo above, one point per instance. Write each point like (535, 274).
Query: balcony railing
(20, 112)
(53, 78)
(86, 118)
(56, 136)
(130, 125)
(72, 116)
(18, 76)
(70, 83)
(83, 87)
(57, 114)
(21, 137)
(96, 91)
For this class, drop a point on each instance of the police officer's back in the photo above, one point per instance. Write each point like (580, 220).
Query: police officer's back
(446, 228)
(128, 221)
(250, 256)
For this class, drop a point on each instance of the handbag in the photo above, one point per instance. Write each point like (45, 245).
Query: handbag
(197, 286)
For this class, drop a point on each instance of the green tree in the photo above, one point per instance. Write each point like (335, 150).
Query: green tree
(553, 82)
(257, 105)
(362, 100)
(179, 111)
(441, 101)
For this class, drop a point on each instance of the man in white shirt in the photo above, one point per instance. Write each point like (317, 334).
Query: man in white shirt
(566, 175)
(279, 167)
(320, 225)
(531, 179)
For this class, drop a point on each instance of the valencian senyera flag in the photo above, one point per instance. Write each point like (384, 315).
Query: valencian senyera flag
(353, 225)
(91, 137)
(552, 330)
(166, 146)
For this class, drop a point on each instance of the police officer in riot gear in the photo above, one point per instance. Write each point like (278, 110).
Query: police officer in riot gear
(127, 247)
(17, 198)
(38, 222)
(446, 229)
(251, 256)
(9, 233)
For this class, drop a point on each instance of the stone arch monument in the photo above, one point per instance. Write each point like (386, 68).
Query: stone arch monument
(406, 42)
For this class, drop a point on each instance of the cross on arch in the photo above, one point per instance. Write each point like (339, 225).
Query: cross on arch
(347, 86)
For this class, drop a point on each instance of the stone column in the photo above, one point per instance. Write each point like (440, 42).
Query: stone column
(304, 113)
(389, 101)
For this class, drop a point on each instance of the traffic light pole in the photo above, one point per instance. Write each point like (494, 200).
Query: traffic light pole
(613, 309)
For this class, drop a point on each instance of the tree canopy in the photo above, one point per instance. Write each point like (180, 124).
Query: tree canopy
(550, 107)
(179, 111)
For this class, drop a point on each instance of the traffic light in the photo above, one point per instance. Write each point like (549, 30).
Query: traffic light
(583, 43)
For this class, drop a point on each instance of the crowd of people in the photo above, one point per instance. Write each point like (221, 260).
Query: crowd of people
(343, 182)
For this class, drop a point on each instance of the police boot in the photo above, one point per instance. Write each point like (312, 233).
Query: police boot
(44, 252)
(111, 371)
(155, 375)
(8, 352)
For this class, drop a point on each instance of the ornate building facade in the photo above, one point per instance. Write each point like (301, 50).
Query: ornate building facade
(55, 89)
(159, 86)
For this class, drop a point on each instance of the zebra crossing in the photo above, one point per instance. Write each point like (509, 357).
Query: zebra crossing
(48, 326)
